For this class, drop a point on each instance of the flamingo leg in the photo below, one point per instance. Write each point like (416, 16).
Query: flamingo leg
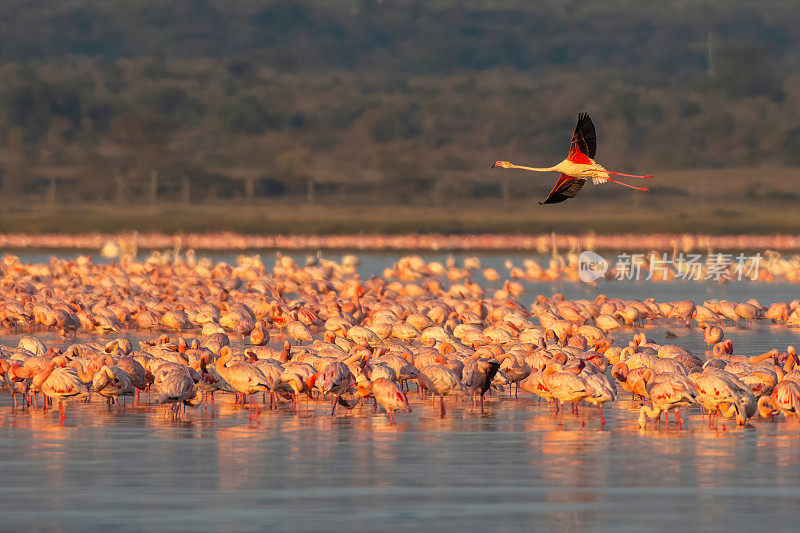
(441, 406)
(333, 405)
(680, 419)
(626, 185)
(629, 175)
(602, 420)
(62, 416)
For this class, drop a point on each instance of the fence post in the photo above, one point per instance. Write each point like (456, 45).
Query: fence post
(249, 189)
(185, 190)
(154, 186)
(310, 186)
(120, 186)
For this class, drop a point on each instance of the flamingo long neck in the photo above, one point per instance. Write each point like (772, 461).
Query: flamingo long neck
(221, 362)
(650, 412)
(86, 375)
(763, 357)
(100, 379)
(766, 407)
(535, 169)
(42, 376)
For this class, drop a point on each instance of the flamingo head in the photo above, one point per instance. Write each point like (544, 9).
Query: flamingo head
(17, 373)
(765, 408)
(501, 164)
(620, 371)
(364, 388)
(728, 346)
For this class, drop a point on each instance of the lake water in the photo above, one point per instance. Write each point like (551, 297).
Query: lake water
(512, 467)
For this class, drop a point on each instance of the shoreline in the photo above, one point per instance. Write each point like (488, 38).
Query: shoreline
(488, 242)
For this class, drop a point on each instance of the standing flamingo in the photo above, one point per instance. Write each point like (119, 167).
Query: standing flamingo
(785, 398)
(112, 382)
(669, 392)
(566, 386)
(711, 334)
(335, 378)
(601, 390)
(174, 386)
(578, 166)
(388, 394)
(479, 378)
(60, 384)
(719, 388)
(245, 378)
(441, 381)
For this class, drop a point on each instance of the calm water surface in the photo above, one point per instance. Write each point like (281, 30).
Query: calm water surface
(512, 467)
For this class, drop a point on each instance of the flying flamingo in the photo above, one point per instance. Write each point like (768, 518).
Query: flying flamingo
(578, 166)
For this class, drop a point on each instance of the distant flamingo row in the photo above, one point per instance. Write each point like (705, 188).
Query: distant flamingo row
(293, 332)
(541, 243)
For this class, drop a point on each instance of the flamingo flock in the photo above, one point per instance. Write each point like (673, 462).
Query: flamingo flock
(114, 245)
(185, 333)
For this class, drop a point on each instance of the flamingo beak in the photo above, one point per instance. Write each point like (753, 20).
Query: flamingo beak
(494, 164)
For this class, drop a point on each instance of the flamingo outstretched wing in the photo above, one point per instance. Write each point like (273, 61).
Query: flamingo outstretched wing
(581, 150)
(566, 187)
(584, 140)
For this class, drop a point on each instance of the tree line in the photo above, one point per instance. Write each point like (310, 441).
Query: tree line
(197, 100)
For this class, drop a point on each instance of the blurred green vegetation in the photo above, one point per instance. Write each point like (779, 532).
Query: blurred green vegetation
(390, 102)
